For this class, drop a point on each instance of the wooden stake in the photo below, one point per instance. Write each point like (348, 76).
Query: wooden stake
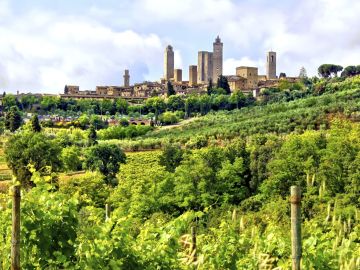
(107, 211)
(295, 201)
(193, 240)
(15, 233)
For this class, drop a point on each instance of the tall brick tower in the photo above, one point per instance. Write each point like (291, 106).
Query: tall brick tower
(217, 59)
(126, 78)
(271, 65)
(169, 63)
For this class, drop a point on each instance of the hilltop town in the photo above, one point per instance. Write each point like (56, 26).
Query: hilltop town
(208, 69)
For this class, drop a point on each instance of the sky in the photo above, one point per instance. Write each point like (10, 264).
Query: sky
(45, 45)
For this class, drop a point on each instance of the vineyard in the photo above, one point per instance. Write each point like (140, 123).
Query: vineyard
(222, 180)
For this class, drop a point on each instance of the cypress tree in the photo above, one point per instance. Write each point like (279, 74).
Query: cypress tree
(35, 125)
(92, 136)
(13, 119)
(170, 89)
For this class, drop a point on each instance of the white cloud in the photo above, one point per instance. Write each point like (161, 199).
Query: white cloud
(70, 51)
(178, 59)
(45, 49)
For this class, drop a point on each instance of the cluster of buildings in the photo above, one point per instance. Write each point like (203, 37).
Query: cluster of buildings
(209, 67)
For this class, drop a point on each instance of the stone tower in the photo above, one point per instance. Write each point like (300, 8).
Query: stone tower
(178, 75)
(126, 78)
(192, 75)
(271, 65)
(217, 59)
(205, 66)
(169, 63)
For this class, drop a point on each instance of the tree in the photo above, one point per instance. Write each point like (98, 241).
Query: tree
(92, 136)
(171, 157)
(168, 118)
(351, 71)
(8, 101)
(209, 87)
(237, 98)
(35, 125)
(49, 103)
(170, 89)
(13, 119)
(37, 150)
(70, 157)
(121, 105)
(175, 103)
(326, 70)
(282, 75)
(155, 105)
(106, 159)
(222, 82)
(303, 73)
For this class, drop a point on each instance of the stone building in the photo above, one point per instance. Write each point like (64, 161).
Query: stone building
(250, 74)
(169, 63)
(271, 65)
(71, 89)
(205, 66)
(192, 75)
(178, 75)
(147, 89)
(236, 82)
(126, 78)
(217, 59)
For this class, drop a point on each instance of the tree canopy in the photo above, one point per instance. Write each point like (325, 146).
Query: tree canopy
(106, 159)
(29, 148)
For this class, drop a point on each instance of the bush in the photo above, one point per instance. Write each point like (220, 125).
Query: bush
(70, 157)
(168, 118)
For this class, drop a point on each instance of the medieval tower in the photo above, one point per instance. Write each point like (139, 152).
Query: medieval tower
(271, 65)
(205, 66)
(126, 78)
(217, 58)
(169, 63)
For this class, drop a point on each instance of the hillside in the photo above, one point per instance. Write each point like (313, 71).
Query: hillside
(225, 176)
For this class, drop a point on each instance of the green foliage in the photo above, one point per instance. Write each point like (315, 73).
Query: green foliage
(233, 186)
(37, 149)
(171, 156)
(209, 87)
(222, 82)
(92, 136)
(13, 119)
(175, 103)
(49, 103)
(71, 158)
(170, 89)
(326, 70)
(106, 159)
(122, 132)
(48, 228)
(9, 101)
(168, 118)
(35, 125)
(90, 189)
(123, 122)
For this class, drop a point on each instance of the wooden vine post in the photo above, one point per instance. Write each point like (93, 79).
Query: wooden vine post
(107, 211)
(15, 232)
(295, 201)
(193, 243)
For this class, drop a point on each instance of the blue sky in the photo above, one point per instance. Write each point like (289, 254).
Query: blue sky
(47, 44)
